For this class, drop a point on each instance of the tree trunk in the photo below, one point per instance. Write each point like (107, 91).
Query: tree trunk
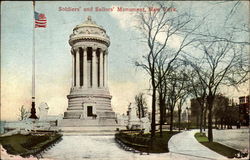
(179, 119)
(197, 121)
(171, 119)
(153, 112)
(221, 123)
(210, 122)
(205, 120)
(164, 113)
(210, 127)
(161, 114)
(160, 128)
(201, 119)
(142, 110)
(215, 122)
(139, 112)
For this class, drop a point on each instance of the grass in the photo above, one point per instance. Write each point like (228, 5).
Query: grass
(217, 147)
(201, 137)
(26, 145)
(144, 143)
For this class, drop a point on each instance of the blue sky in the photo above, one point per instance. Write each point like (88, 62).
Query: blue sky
(53, 59)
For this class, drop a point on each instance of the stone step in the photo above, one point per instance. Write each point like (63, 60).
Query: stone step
(88, 133)
(95, 127)
(91, 130)
(77, 122)
(86, 122)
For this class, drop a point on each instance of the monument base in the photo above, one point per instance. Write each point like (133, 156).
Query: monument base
(86, 122)
(91, 130)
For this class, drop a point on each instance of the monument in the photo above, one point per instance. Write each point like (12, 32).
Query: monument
(43, 111)
(89, 100)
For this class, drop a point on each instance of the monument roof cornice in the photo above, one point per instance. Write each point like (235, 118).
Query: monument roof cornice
(74, 40)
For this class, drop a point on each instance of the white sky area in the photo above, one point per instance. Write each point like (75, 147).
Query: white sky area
(53, 58)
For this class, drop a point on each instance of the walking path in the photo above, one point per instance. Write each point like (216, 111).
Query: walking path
(182, 146)
(186, 144)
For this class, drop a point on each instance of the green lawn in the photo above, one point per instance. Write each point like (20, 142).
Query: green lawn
(26, 145)
(143, 142)
(217, 147)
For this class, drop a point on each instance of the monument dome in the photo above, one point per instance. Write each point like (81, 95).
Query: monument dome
(89, 31)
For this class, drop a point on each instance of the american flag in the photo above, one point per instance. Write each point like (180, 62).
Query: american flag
(40, 20)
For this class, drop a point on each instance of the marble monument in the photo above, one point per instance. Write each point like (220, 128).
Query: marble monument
(89, 101)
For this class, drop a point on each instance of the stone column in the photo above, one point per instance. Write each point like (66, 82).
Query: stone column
(107, 68)
(101, 68)
(104, 69)
(77, 68)
(94, 68)
(85, 70)
(73, 67)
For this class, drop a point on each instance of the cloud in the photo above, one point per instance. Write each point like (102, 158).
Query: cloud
(174, 41)
(126, 20)
(124, 92)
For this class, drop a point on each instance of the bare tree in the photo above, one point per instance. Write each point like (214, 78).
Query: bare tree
(231, 21)
(177, 93)
(162, 97)
(182, 98)
(198, 90)
(157, 27)
(140, 102)
(221, 63)
(23, 113)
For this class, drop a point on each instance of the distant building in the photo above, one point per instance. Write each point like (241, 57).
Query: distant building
(195, 111)
(244, 110)
(221, 112)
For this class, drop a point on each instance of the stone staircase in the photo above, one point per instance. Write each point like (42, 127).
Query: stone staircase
(91, 130)
(86, 122)
(77, 122)
(91, 126)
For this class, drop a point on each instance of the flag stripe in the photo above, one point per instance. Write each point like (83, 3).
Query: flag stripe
(37, 25)
(40, 22)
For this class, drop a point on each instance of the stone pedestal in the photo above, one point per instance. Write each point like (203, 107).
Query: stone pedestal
(133, 120)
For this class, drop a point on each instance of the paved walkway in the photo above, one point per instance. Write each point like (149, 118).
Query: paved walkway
(186, 144)
(183, 146)
(103, 148)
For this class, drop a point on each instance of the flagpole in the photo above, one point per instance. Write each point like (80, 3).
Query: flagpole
(33, 109)
(33, 58)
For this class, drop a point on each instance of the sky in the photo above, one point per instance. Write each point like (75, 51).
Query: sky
(53, 58)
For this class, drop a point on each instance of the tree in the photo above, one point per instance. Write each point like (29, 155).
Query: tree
(23, 113)
(223, 60)
(162, 92)
(183, 92)
(221, 63)
(140, 102)
(182, 99)
(228, 114)
(177, 93)
(198, 90)
(220, 110)
(157, 27)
